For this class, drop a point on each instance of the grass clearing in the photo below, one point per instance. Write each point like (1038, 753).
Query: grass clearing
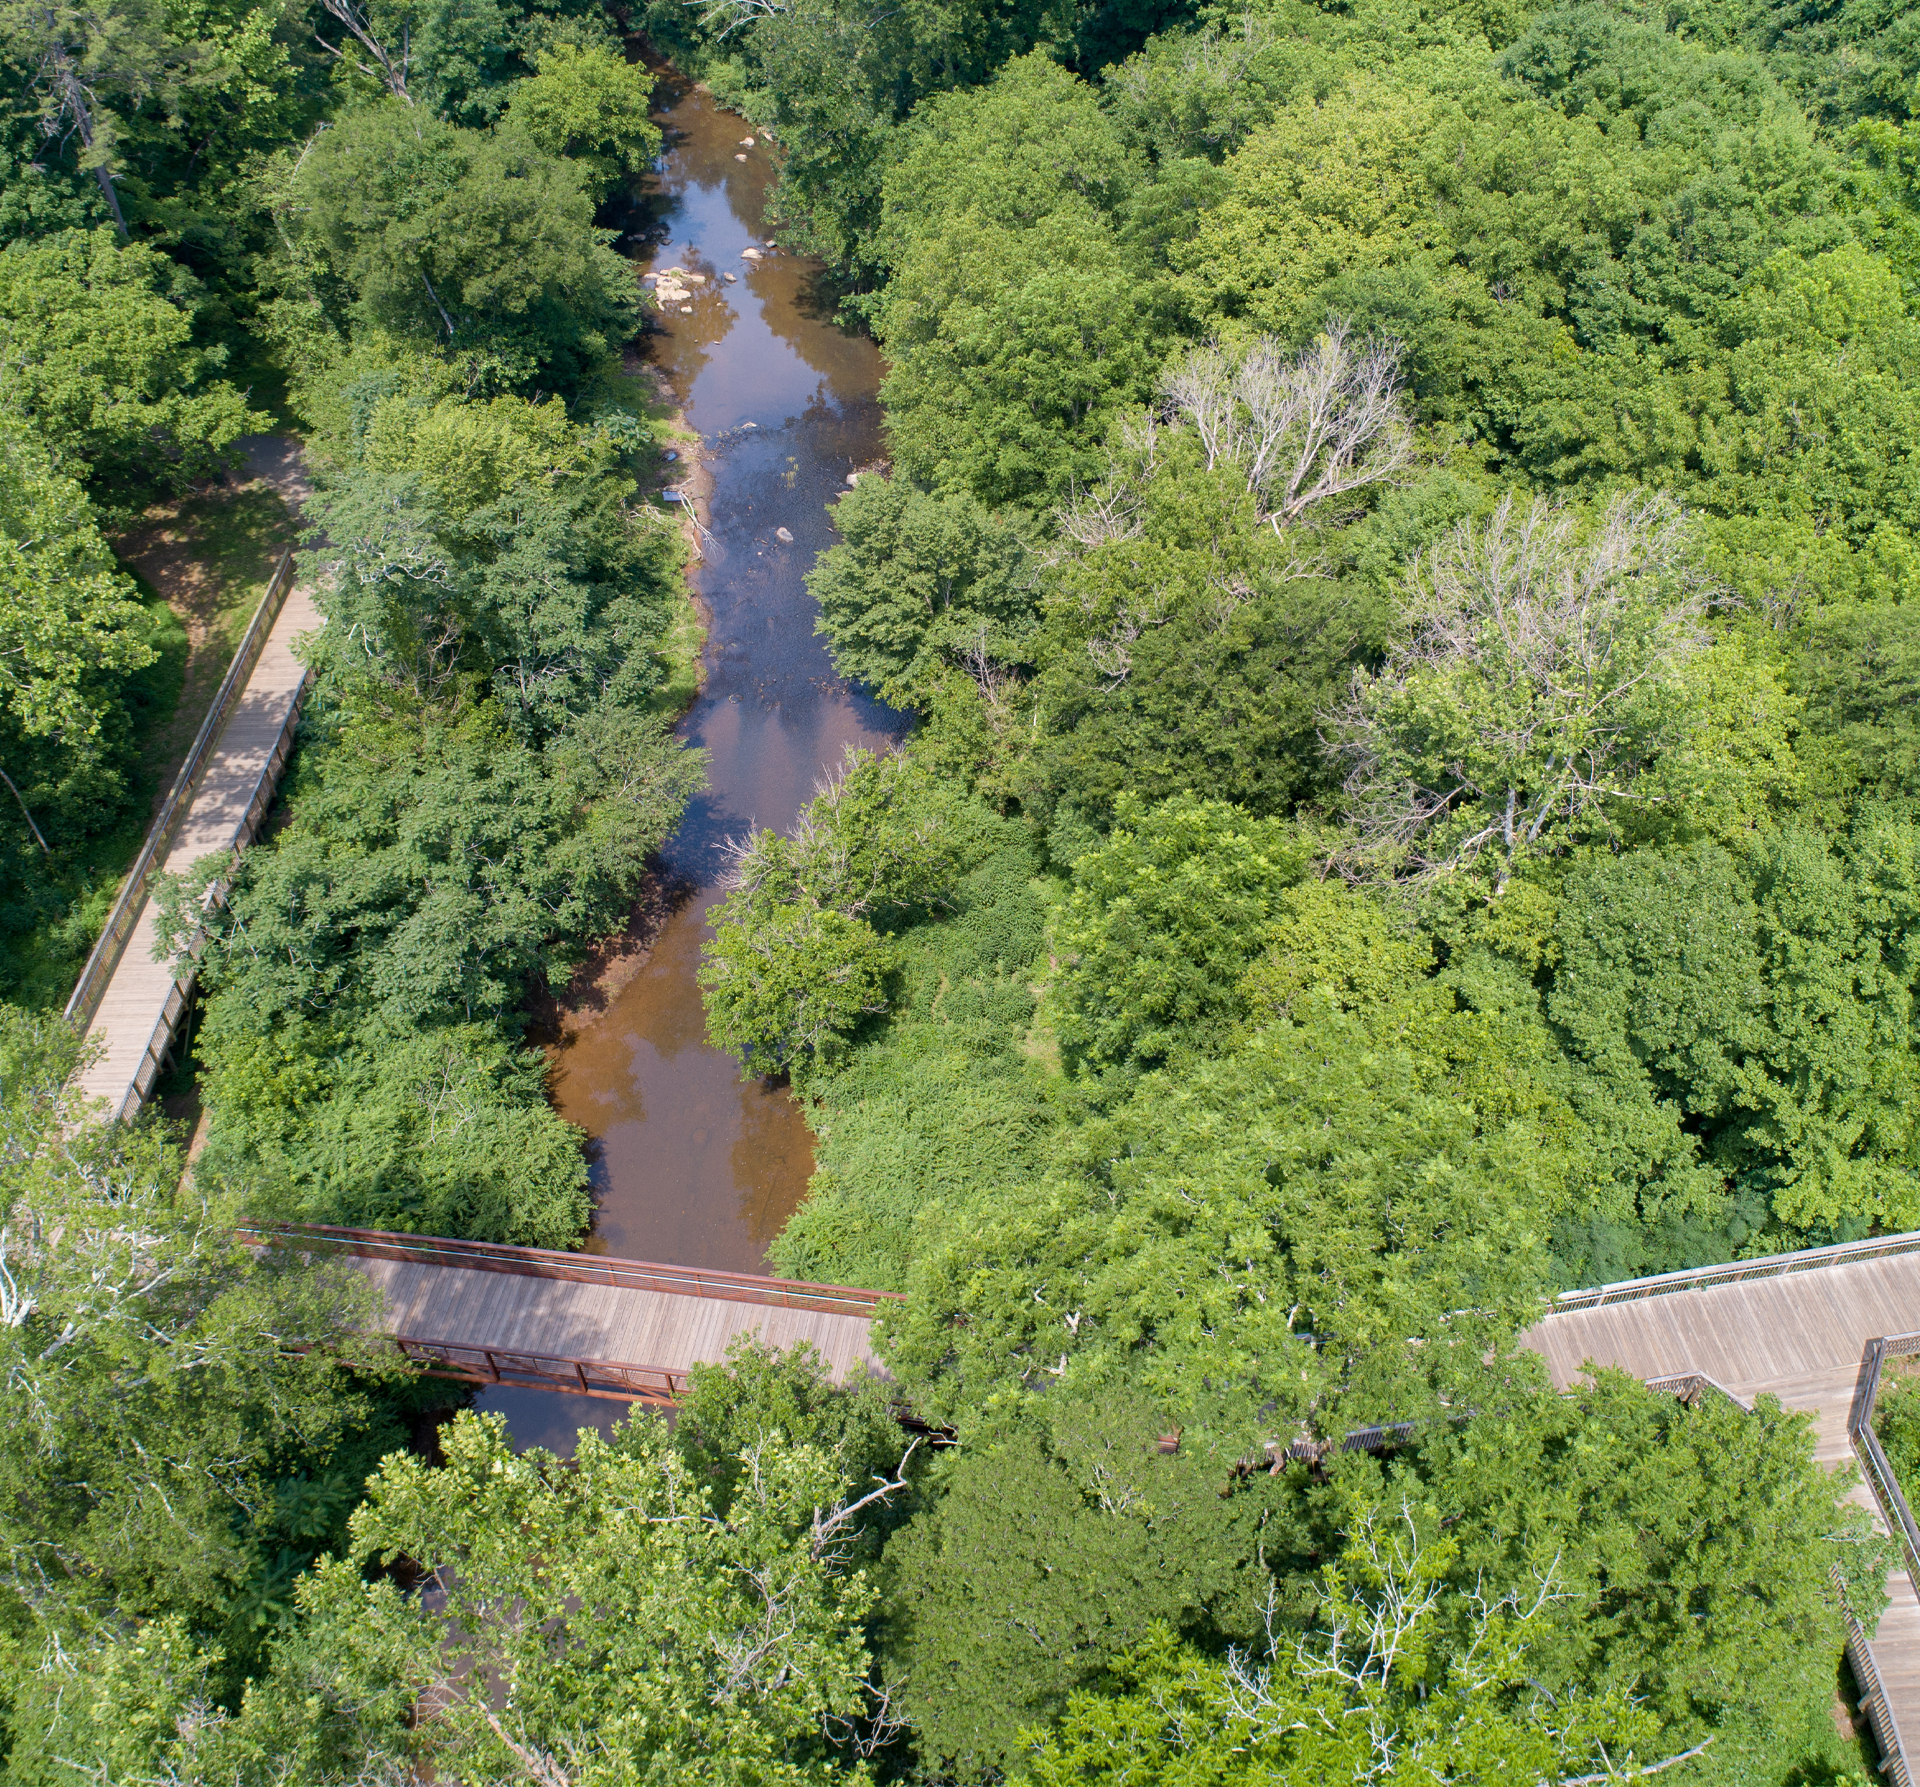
(679, 652)
(208, 558)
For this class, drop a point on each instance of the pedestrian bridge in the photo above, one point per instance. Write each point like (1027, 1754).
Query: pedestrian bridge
(584, 1322)
(1815, 1329)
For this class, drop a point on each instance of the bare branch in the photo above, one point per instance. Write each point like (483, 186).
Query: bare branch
(1631, 1774)
(1304, 430)
(832, 1525)
(392, 72)
(541, 1767)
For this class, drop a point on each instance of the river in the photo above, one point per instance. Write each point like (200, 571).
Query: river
(691, 1165)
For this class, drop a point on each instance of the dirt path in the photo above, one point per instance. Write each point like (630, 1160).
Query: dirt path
(209, 556)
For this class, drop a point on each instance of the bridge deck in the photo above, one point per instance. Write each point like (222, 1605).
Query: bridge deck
(1800, 1337)
(140, 997)
(553, 1318)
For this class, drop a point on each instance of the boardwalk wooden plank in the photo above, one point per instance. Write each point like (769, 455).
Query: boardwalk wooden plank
(137, 994)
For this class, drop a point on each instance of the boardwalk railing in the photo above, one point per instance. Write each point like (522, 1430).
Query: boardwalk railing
(659, 1385)
(105, 956)
(1879, 1473)
(1873, 1696)
(1690, 1386)
(1866, 1443)
(1773, 1265)
(577, 1268)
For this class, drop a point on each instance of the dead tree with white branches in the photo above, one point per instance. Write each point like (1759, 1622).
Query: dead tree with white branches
(1541, 672)
(1306, 430)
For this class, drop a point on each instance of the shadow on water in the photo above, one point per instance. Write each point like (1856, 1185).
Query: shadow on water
(550, 1419)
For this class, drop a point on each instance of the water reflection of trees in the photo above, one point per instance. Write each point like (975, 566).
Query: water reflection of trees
(799, 307)
(771, 1159)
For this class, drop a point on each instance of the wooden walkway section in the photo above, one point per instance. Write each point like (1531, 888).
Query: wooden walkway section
(582, 1322)
(128, 1003)
(1799, 1327)
(1811, 1329)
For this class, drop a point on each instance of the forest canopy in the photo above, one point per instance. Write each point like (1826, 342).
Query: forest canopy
(1398, 540)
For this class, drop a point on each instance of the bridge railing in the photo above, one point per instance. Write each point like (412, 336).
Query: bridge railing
(91, 987)
(658, 1385)
(577, 1268)
(1885, 1483)
(1773, 1265)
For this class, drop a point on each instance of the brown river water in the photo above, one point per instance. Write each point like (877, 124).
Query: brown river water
(691, 1165)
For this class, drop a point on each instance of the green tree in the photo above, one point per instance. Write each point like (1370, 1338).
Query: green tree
(1400, 1678)
(1016, 323)
(1010, 353)
(82, 56)
(476, 244)
(165, 1392)
(1190, 644)
(1337, 188)
(672, 1639)
(1014, 153)
(1743, 1029)
(839, 77)
(363, 992)
(65, 614)
(1052, 1547)
(104, 367)
(1163, 920)
(1722, 1626)
(798, 958)
(589, 104)
(493, 540)
(1857, 666)
(919, 584)
(81, 666)
(946, 1104)
(1896, 1419)
(1319, 1180)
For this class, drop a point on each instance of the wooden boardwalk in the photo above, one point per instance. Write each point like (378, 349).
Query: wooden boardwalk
(583, 1322)
(461, 1315)
(130, 1003)
(1801, 1335)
